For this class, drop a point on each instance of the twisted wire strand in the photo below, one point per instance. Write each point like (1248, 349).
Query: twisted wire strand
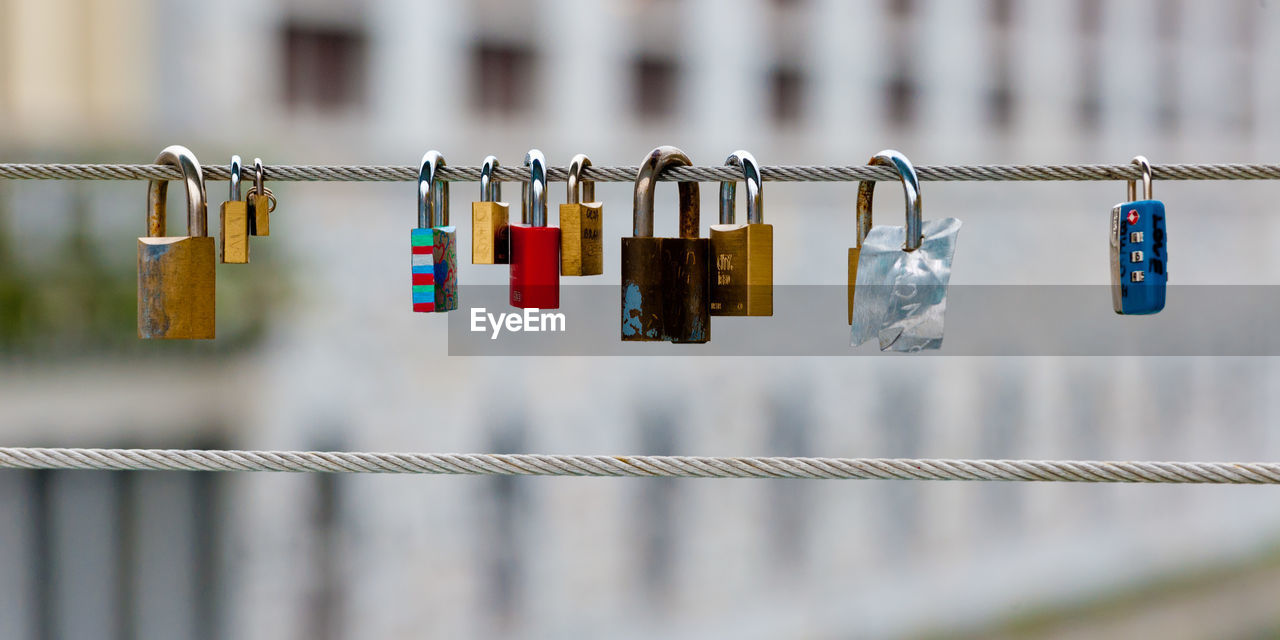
(387, 173)
(641, 466)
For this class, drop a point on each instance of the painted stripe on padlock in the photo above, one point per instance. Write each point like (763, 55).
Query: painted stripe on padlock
(423, 270)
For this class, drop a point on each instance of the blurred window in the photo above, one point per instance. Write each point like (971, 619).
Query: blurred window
(1001, 12)
(900, 8)
(324, 66)
(1090, 16)
(654, 82)
(790, 422)
(656, 508)
(786, 86)
(505, 548)
(1169, 19)
(1000, 98)
(501, 78)
(900, 97)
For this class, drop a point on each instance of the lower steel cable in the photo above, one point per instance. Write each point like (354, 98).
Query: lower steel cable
(641, 466)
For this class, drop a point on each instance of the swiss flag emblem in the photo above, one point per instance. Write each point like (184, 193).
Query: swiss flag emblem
(1132, 217)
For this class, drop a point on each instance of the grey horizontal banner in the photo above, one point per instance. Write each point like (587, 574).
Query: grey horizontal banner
(811, 320)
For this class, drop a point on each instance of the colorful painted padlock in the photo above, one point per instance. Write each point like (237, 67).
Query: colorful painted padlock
(434, 242)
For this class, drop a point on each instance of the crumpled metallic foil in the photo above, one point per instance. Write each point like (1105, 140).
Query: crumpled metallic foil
(900, 297)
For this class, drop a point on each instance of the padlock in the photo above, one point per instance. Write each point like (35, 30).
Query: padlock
(742, 284)
(435, 257)
(902, 273)
(261, 202)
(581, 238)
(176, 291)
(535, 247)
(665, 281)
(866, 191)
(1139, 258)
(233, 222)
(490, 233)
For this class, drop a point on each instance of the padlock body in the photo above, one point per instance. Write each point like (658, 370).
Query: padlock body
(581, 239)
(666, 289)
(176, 287)
(686, 284)
(1139, 257)
(854, 254)
(535, 267)
(742, 280)
(642, 290)
(259, 215)
(490, 242)
(233, 232)
(434, 269)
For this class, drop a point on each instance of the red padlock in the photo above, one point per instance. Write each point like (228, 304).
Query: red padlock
(535, 247)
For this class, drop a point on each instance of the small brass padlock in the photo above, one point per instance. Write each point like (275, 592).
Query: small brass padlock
(665, 281)
(742, 284)
(233, 222)
(490, 233)
(866, 190)
(176, 274)
(261, 202)
(581, 239)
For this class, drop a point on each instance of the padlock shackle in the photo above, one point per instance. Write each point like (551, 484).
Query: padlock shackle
(1141, 161)
(642, 200)
(433, 193)
(158, 193)
(579, 162)
(259, 178)
(533, 194)
(911, 193)
(490, 189)
(234, 191)
(755, 189)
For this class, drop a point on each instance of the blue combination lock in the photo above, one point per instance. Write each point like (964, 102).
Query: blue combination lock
(1139, 259)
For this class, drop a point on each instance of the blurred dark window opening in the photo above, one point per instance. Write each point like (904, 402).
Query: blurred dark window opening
(654, 87)
(501, 78)
(901, 8)
(1169, 20)
(657, 504)
(326, 595)
(1168, 27)
(786, 86)
(900, 97)
(1001, 12)
(505, 550)
(1000, 98)
(324, 66)
(789, 426)
(1090, 17)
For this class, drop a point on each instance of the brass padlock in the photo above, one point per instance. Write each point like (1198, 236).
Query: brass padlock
(665, 281)
(742, 284)
(866, 190)
(233, 222)
(581, 238)
(176, 274)
(490, 230)
(261, 202)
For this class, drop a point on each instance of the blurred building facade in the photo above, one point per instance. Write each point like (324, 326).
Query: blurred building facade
(321, 352)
